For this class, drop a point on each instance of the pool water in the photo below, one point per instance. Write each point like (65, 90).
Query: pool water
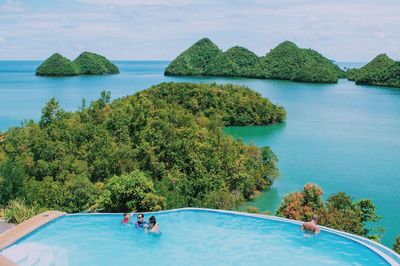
(189, 237)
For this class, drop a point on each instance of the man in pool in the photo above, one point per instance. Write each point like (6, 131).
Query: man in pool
(312, 225)
(141, 223)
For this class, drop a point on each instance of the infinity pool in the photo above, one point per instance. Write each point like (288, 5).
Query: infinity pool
(189, 237)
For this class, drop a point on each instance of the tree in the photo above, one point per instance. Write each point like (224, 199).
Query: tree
(50, 112)
(12, 178)
(130, 191)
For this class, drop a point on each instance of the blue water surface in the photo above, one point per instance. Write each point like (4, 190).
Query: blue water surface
(189, 237)
(341, 136)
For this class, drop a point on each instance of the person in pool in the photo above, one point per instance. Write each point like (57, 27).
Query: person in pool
(127, 217)
(312, 225)
(153, 226)
(141, 223)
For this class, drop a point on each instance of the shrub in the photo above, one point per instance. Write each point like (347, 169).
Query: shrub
(17, 211)
(396, 246)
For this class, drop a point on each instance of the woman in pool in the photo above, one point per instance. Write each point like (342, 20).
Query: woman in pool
(153, 226)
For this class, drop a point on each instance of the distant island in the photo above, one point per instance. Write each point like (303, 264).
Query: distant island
(85, 64)
(381, 71)
(286, 61)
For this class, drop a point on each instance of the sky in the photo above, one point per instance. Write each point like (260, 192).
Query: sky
(342, 30)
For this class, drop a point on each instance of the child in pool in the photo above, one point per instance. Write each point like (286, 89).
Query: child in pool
(126, 219)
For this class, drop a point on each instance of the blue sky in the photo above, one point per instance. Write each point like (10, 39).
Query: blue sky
(154, 29)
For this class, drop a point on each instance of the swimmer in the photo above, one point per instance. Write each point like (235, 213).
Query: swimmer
(312, 225)
(153, 226)
(126, 219)
(140, 221)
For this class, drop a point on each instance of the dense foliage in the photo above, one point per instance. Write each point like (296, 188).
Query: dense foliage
(381, 71)
(396, 246)
(339, 211)
(85, 64)
(129, 191)
(286, 61)
(160, 148)
(289, 62)
(234, 62)
(194, 60)
(94, 64)
(57, 65)
(17, 211)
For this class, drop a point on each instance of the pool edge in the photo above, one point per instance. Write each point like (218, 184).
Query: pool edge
(21, 230)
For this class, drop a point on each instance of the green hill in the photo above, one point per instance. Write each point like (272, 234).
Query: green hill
(234, 62)
(194, 60)
(381, 71)
(163, 147)
(85, 64)
(286, 61)
(94, 64)
(289, 62)
(57, 65)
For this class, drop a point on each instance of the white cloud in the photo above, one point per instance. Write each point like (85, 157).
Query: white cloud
(156, 29)
(379, 35)
(11, 6)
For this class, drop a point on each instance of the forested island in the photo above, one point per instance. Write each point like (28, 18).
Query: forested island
(161, 148)
(381, 71)
(286, 61)
(85, 64)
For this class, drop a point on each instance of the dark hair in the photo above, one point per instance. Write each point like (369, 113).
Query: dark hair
(125, 213)
(152, 220)
(140, 215)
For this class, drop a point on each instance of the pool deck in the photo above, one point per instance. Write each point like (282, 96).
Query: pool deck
(17, 232)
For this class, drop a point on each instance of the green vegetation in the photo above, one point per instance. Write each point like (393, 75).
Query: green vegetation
(289, 62)
(381, 71)
(339, 211)
(286, 61)
(57, 65)
(130, 191)
(163, 147)
(17, 211)
(194, 60)
(94, 64)
(235, 62)
(85, 64)
(396, 246)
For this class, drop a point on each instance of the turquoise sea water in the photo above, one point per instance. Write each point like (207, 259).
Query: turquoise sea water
(187, 237)
(341, 136)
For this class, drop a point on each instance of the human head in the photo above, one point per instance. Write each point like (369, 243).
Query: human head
(315, 218)
(152, 220)
(126, 215)
(140, 217)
